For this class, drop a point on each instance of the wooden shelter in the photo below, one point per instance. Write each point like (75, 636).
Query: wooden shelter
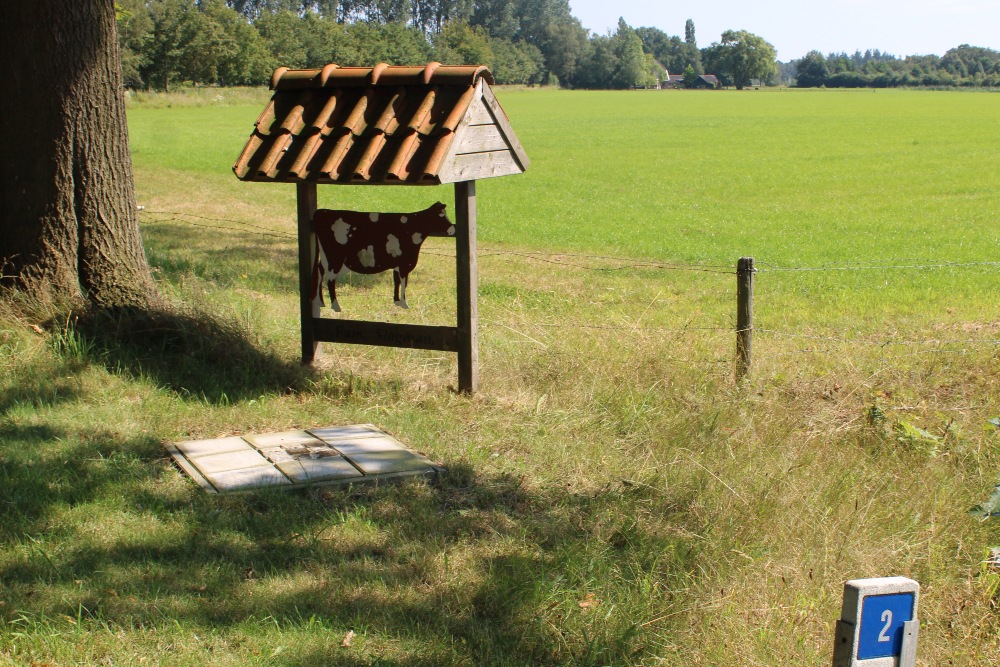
(386, 125)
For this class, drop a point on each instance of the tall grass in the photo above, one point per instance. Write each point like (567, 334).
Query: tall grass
(613, 497)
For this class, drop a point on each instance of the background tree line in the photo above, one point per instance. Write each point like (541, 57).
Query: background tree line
(962, 66)
(240, 42)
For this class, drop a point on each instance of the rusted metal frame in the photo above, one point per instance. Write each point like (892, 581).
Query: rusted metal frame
(305, 194)
(386, 334)
(467, 274)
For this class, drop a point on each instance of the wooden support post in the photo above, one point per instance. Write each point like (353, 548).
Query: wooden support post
(467, 271)
(306, 205)
(744, 316)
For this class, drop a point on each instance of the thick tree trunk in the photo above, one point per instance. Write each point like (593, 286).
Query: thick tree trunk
(69, 227)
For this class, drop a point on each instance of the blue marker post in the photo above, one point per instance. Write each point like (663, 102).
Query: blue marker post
(878, 625)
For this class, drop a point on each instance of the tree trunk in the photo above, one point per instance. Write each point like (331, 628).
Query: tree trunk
(69, 228)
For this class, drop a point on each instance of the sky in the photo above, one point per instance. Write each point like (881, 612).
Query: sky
(795, 27)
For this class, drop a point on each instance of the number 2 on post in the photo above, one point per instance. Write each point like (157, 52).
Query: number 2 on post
(887, 619)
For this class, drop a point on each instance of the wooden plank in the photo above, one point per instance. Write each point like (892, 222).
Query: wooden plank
(479, 114)
(473, 166)
(490, 99)
(467, 273)
(306, 205)
(482, 139)
(386, 334)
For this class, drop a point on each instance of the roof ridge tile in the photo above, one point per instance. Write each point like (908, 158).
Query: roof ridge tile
(382, 74)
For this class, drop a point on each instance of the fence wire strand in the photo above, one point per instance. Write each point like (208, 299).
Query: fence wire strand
(874, 267)
(245, 226)
(558, 259)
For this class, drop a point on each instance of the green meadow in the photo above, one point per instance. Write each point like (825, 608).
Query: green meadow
(613, 496)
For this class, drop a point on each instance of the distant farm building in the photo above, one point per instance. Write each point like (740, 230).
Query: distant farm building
(674, 81)
(707, 82)
(703, 82)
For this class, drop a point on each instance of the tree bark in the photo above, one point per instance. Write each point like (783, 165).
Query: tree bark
(69, 228)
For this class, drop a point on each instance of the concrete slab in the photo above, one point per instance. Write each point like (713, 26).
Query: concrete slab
(291, 459)
(351, 448)
(285, 439)
(247, 478)
(318, 470)
(400, 460)
(193, 448)
(331, 433)
(250, 458)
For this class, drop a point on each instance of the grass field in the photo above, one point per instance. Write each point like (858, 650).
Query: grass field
(613, 497)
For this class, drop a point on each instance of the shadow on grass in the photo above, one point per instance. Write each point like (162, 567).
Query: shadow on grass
(177, 249)
(42, 387)
(193, 354)
(42, 468)
(316, 562)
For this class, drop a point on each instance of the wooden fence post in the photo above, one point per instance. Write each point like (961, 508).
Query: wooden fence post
(306, 205)
(467, 271)
(744, 316)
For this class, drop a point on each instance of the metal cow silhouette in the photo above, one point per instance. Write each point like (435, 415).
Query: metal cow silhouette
(372, 243)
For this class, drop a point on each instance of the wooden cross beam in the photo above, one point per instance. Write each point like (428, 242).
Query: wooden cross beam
(462, 338)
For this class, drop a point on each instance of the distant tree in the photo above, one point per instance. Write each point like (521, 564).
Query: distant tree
(715, 59)
(254, 9)
(377, 12)
(392, 43)
(459, 43)
(689, 37)
(516, 63)
(498, 17)
(432, 16)
(134, 27)
(630, 68)
(672, 52)
(325, 41)
(285, 35)
(690, 77)
(599, 67)
(655, 42)
(566, 50)
(172, 32)
(743, 56)
(654, 72)
(811, 71)
(692, 55)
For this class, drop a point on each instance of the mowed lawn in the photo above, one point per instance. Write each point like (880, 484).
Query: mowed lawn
(613, 496)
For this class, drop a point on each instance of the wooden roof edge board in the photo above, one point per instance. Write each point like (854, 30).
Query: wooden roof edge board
(452, 169)
(501, 118)
(380, 75)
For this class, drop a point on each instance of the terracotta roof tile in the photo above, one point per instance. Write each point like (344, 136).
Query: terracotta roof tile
(382, 124)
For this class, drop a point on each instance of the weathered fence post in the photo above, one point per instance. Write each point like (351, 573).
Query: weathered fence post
(468, 287)
(308, 310)
(744, 316)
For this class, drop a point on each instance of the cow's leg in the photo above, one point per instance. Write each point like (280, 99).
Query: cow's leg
(399, 289)
(332, 284)
(316, 285)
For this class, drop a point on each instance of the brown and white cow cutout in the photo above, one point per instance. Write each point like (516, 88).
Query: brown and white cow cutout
(372, 243)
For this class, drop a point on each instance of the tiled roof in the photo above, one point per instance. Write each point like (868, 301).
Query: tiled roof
(381, 125)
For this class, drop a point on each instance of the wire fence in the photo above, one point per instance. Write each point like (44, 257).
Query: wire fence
(611, 263)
